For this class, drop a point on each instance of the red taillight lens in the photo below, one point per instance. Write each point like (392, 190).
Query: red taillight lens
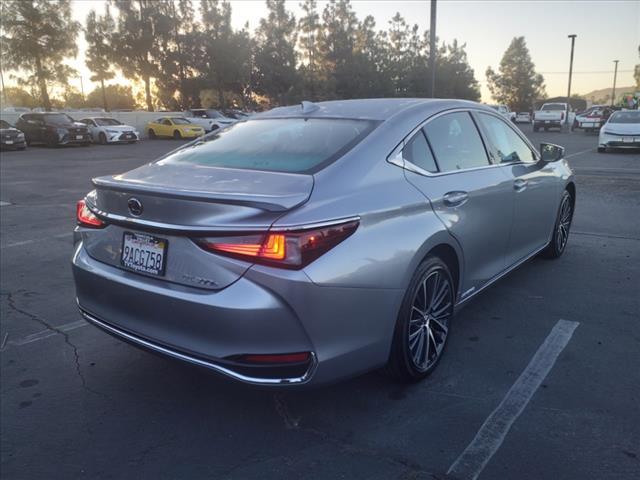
(86, 218)
(294, 249)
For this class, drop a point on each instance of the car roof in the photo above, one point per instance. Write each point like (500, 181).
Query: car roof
(380, 109)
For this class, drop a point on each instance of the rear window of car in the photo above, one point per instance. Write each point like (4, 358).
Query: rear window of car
(295, 145)
(554, 106)
(625, 117)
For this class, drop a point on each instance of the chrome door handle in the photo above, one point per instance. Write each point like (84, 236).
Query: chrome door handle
(453, 199)
(520, 184)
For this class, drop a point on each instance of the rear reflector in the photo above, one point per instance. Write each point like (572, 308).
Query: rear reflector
(86, 218)
(294, 249)
(276, 358)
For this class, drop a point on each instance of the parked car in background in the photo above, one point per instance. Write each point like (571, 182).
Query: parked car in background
(11, 137)
(504, 111)
(53, 129)
(523, 117)
(593, 118)
(550, 115)
(622, 130)
(109, 130)
(235, 114)
(175, 127)
(16, 109)
(309, 244)
(208, 118)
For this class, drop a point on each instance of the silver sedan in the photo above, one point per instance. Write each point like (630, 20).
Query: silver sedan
(316, 242)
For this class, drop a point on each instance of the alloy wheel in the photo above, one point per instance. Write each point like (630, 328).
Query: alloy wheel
(564, 223)
(431, 312)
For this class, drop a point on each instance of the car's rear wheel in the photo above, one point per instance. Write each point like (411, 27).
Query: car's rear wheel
(602, 149)
(102, 138)
(152, 134)
(560, 237)
(422, 326)
(177, 135)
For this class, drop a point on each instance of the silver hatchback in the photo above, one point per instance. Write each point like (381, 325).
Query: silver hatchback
(315, 242)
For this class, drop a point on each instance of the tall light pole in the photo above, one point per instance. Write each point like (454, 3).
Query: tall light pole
(615, 76)
(573, 41)
(432, 49)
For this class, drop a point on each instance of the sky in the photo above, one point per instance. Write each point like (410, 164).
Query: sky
(606, 30)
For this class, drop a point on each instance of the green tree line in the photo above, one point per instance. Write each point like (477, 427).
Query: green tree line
(186, 53)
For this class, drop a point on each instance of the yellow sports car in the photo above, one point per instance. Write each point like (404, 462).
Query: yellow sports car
(176, 127)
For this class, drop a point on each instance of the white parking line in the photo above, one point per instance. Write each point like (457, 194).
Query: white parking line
(571, 155)
(41, 335)
(28, 242)
(495, 428)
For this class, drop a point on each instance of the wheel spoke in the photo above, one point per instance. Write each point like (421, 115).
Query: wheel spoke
(440, 297)
(440, 325)
(438, 313)
(434, 290)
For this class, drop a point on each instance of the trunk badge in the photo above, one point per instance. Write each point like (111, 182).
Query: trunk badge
(135, 206)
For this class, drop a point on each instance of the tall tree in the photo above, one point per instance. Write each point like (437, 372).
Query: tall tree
(454, 76)
(37, 37)
(516, 84)
(119, 97)
(274, 71)
(140, 32)
(636, 72)
(309, 28)
(98, 33)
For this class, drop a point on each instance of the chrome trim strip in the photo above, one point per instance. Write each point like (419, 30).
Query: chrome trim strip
(203, 363)
(500, 275)
(309, 226)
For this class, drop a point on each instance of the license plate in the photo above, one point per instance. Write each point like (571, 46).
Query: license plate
(9, 142)
(627, 139)
(128, 136)
(588, 125)
(78, 137)
(144, 253)
(546, 121)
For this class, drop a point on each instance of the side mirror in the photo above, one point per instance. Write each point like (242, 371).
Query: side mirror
(550, 152)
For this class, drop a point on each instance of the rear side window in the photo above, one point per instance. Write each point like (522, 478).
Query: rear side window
(508, 146)
(417, 151)
(282, 145)
(456, 142)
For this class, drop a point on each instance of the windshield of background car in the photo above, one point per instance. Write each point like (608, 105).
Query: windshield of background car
(625, 117)
(4, 124)
(58, 119)
(554, 106)
(294, 145)
(105, 122)
(180, 121)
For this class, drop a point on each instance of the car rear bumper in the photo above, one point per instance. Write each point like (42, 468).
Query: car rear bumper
(348, 331)
(14, 145)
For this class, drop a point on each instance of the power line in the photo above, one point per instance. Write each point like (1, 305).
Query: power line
(585, 73)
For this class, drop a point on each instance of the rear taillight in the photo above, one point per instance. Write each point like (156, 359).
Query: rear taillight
(86, 218)
(287, 249)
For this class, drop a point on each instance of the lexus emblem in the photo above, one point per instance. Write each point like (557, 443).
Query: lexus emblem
(135, 206)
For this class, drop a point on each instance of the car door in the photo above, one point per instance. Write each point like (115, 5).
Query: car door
(166, 128)
(535, 187)
(472, 198)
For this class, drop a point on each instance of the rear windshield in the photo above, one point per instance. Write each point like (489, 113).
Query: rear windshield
(4, 124)
(625, 117)
(282, 145)
(553, 106)
(58, 119)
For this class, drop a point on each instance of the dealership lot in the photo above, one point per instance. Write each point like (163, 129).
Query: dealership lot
(78, 403)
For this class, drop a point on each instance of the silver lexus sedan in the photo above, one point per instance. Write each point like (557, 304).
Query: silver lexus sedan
(316, 242)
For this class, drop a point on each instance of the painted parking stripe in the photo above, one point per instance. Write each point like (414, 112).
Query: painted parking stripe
(495, 428)
(29, 242)
(43, 334)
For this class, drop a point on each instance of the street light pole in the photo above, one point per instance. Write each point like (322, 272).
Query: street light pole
(432, 49)
(615, 75)
(573, 41)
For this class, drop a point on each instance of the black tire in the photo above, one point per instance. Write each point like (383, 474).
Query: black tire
(51, 141)
(560, 237)
(152, 134)
(102, 138)
(430, 279)
(536, 128)
(177, 135)
(602, 149)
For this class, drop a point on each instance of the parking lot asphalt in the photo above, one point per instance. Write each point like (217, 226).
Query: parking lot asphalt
(77, 403)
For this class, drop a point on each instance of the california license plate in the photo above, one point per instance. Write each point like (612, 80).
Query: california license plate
(9, 142)
(627, 139)
(78, 137)
(144, 253)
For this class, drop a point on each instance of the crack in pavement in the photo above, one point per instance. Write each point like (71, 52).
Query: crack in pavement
(12, 306)
(293, 423)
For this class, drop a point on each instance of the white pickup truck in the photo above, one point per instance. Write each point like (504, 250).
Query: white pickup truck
(551, 115)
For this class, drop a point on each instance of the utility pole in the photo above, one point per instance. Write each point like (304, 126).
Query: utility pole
(573, 41)
(615, 75)
(432, 49)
